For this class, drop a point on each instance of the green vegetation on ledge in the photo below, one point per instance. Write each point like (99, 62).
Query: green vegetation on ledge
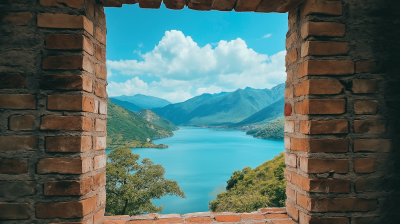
(273, 130)
(249, 190)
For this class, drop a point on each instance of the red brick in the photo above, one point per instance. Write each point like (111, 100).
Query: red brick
(170, 221)
(227, 218)
(17, 188)
(372, 145)
(272, 210)
(325, 106)
(366, 66)
(268, 6)
(289, 127)
(102, 107)
(70, 102)
(298, 180)
(289, 76)
(99, 180)
(100, 90)
(99, 15)
(330, 186)
(68, 187)
(252, 217)
(66, 82)
(70, 3)
(13, 166)
(292, 18)
(101, 72)
(65, 210)
(291, 159)
(150, 4)
(370, 185)
(100, 143)
(277, 216)
(291, 57)
(68, 63)
(290, 194)
(320, 145)
(369, 126)
(100, 161)
(325, 67)
(69, 42)
(101, 198)
(288, 109)
(217, 4)
(292, 210)
(283, 222)
(288, 6)
(17, 18)
(100, 125)
(324, 127)
(323, 29)
(309, 165)
(323, 48)
(12, 81)
(364, 165)
(14, 211)
(17, 101)
(100, 54)
(246, 6)
(291, 40)
(68, 144)
(21, 123)
(98, 217)
(286, 142)
(15, 143)
(70, 123)
(365, 86)
(288, 92)
(365, 106)
(132, 222)
(101, 36)
(64, 165)
(333, 8)
(64, 21)
(319, 87)
(322, 220)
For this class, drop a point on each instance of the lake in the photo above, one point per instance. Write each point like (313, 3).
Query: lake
(202, 160)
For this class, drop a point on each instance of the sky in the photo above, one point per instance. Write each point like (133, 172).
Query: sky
(179, 54)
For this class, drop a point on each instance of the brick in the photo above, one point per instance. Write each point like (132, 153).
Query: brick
(325, 106)
(291, 159)
(333, 8)
(17, 101)
(252, 217)
(227, 218)
(289, 76)
(100, 161)
(101, 198)
(287, 7)
(292, 211)
(322, 220)
(369, 126)
(325, 67)
(365, 86)
(67, 187)
(324, 48)
(96, 106)
(14, 211)
(68, 63)
(372, 145)
(99, 14)
(336, 204)
(367, 66)
(291, 40)
(324, 127)
(21, 123)
(330, 186)
(150, 4)
(69, 42)
(292, 18)
(319, 87)
(13, 166)
(170, 221)
(371, 185)
(17, 188)
(131, 222)
(100, 54)
(68, 144)
(64, 21)
(198, 220)
(290, 193)
(288, 109)
(217, 4)
(327, 29)
(364, 165)
(66, 82)
(102, 107)
(65, 210)
(12, 81)
(99, 180)
(298, 180)
(272, 210)
(100, 143)
(277, 216)
(286, 143)
(70, 103)
(268, 6)
(246, 6)
(284, 221)
(289, 126)
(100, 125)
(15, 143)
(101, 72)
(365, 106)
(17, 18)
(366, 220)
(320, 145)
(101, 36)
(98, 217)
(309, 165)
(288, 92)
(90, 7)
(70, 123)
(100, 90)
(70, 3)
(291, 57)
(64, 165)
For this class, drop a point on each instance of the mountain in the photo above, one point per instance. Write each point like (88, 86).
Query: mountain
(124, 127)
(222, 109)
(143, 101)
(126, 104)
(154, 118)
(273, 130)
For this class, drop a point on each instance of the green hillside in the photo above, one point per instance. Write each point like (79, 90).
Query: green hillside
(124, 127)
(273, 130)
(143, 101)
(251, 189)
(154, 118)
(126, 104)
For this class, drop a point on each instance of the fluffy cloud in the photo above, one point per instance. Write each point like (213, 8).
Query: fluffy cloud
(186, 69)
(267, 35)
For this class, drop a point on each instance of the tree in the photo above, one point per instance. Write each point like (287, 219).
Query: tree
(131, 185)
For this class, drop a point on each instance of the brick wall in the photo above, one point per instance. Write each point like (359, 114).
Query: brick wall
(52, 111)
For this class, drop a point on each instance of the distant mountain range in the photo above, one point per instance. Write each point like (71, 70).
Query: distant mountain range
(154, 118)
(143, 101)
(130, 106)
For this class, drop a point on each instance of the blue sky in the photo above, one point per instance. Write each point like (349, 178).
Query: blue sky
(178, 54)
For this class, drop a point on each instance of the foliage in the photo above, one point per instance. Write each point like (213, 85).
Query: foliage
(131, 185)
(251, 189)
(143, 101)
(154, 118)
(274, 130)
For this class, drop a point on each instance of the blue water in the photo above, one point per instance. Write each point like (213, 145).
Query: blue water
(201, 161)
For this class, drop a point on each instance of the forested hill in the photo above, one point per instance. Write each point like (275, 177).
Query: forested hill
(143, 101)
(154, 118)
(273, 130)
(126, 104)
(124, 127)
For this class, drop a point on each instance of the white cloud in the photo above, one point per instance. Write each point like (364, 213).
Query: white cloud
(140, 45)
(267, 35)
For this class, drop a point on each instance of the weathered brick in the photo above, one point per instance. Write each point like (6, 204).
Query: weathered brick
(366, 66)
(371, 185)
(286, 7)
(68, 144)
(319, 87)
(68, 63)
(325, 67)
(310, 165)
(336, 204)
(292, 211)
(101, 197)
(69, 42)
(324, 127)
(291, 40)
(198, 220)
(288, 92)
(14, 211)
(372, 145)
(288, 109)
(217, 4)
(291, 57)
(364, 165)
(100, 125)
(131, 222)
(102, 107)
(286, 142)
(150, 4)
(325, 106)
(17, 18)
(12, 81)
(70, 123)
(303, 218)
(100, 90)
(17, 188)
(365, 106)
(17, 101)
(329, 29)
(292, 18)
(322, 48)
(330, 186)
(369, 126)
(291, 159)
(170, 221)
(101, 72)
(289, 76)
(275, 216)
(365, 86)
(252, 217)
(15, 143)
(366, 220)
(64, 21)
(57, 3)
(100, 54)
(99, 14)
(13, 166)
(65, 210)
(290, 193)
(246, 6)
(100, 143)
(227, 218)
(21, 122)
(64, 165)
(289, 127)
(66, 82)
(272, 210)
(99, 180)
(268, 6)
(67, 187)
(70, 102)
(328, 145)
(333, 8)
(98, 217)
(100, 161)
(101, 36)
